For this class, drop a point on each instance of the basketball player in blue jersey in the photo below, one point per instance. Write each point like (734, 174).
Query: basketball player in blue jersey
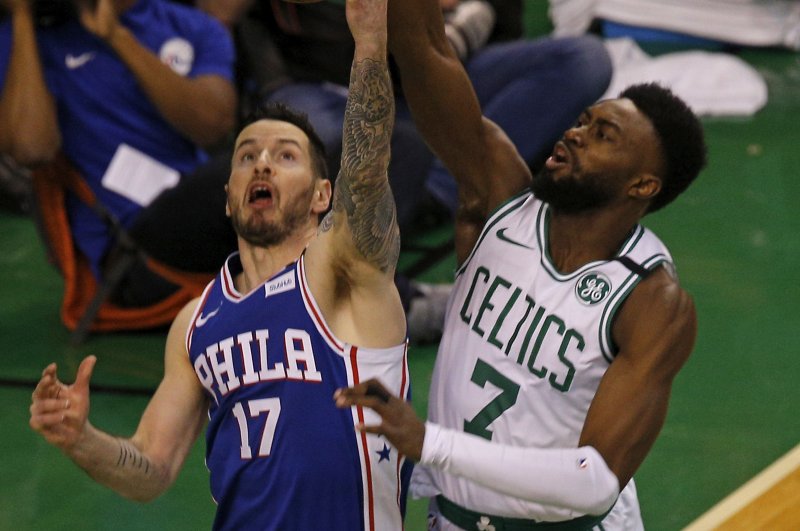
(302, 309)
(566, 325)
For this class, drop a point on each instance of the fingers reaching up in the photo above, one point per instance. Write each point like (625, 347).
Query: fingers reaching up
(59, 412)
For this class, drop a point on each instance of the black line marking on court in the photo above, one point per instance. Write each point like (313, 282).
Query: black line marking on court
(95, 388)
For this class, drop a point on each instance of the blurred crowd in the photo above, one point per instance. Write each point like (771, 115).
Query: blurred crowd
(137, 100)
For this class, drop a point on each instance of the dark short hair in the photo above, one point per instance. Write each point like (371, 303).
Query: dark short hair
(680, 134)
(283, 113)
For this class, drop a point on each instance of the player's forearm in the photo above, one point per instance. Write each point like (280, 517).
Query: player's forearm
(201, 111)
(120, 465)
(574, 478)
(435, 84)
(362, 191)
(27, 111)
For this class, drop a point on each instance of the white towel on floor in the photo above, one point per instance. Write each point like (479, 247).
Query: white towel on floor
(745, 22)
(711, 83)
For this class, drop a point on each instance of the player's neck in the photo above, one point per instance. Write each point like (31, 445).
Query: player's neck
(575, 240)
(259, 264)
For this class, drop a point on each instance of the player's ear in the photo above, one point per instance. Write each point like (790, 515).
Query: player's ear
(322, 196)
(645, 186)
(227, 207)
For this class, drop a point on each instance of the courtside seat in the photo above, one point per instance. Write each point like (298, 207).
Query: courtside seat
(85, 306)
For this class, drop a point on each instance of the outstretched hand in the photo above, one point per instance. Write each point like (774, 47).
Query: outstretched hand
(400, 423)
(59, 412)
(99, 18)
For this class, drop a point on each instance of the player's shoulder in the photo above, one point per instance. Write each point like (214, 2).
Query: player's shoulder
(662, 287)
(183, 320)
(661, 300)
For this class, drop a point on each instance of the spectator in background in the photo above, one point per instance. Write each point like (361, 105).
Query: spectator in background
(130, 92)
(299, 54)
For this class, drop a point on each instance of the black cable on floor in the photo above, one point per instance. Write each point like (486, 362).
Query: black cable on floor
(110, 389)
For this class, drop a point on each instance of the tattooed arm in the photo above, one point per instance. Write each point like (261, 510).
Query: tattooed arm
(359, 240)
(363, 202)
(145, 465)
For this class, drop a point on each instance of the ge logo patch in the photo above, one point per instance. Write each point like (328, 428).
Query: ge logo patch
(592, 288)
(178, 54)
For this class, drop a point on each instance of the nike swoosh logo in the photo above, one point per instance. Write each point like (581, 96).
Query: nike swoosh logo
(501, 234)
(77, 61)
(201, 320)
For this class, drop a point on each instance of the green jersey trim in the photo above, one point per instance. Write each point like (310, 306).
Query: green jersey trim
(543, 229)
(607, 346)
(510, 205)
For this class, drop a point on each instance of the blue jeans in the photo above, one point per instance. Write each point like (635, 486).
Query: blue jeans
(533, 89)
(411, 160)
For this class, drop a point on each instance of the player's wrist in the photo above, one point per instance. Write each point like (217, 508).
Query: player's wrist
(435, 445)
(118, 37)
(372, 47)
(82, 447)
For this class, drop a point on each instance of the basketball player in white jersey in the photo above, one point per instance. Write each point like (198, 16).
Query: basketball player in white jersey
(566, 325)
(301, 310)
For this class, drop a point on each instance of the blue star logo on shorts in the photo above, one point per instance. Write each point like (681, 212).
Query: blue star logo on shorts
(384, 454)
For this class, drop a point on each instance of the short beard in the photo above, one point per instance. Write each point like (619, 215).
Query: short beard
(260, 233)
(572, 195)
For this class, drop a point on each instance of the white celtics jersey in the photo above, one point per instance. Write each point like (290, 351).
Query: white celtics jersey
(525, 347)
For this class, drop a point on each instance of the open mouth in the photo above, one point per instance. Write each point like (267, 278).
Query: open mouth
(260, 194)
(559, 158)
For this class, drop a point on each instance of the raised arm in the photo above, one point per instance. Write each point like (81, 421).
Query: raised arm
(480, 156)
(360, 237)
(28, 124)
(362, 201)
(145, 465)
(203, 108)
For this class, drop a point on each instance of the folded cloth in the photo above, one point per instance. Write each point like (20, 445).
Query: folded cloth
(744, 22)
(711, 83)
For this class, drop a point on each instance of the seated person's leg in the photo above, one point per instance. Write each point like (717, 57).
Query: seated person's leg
(186, 227)
(324, 104)
(535, 89)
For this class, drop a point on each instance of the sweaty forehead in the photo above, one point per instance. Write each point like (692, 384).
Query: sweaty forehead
(264, 130)
(626, 115)
(621, 110)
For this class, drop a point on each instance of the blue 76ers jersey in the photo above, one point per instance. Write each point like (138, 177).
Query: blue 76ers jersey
(281, 455)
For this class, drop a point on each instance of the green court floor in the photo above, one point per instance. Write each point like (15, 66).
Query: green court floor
(735, 236)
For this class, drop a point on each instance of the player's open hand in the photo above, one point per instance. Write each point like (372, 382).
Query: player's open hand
(99, 18)
(400, 423)
(59, 411)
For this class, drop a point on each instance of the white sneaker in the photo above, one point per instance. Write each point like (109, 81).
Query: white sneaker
(426, 311)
